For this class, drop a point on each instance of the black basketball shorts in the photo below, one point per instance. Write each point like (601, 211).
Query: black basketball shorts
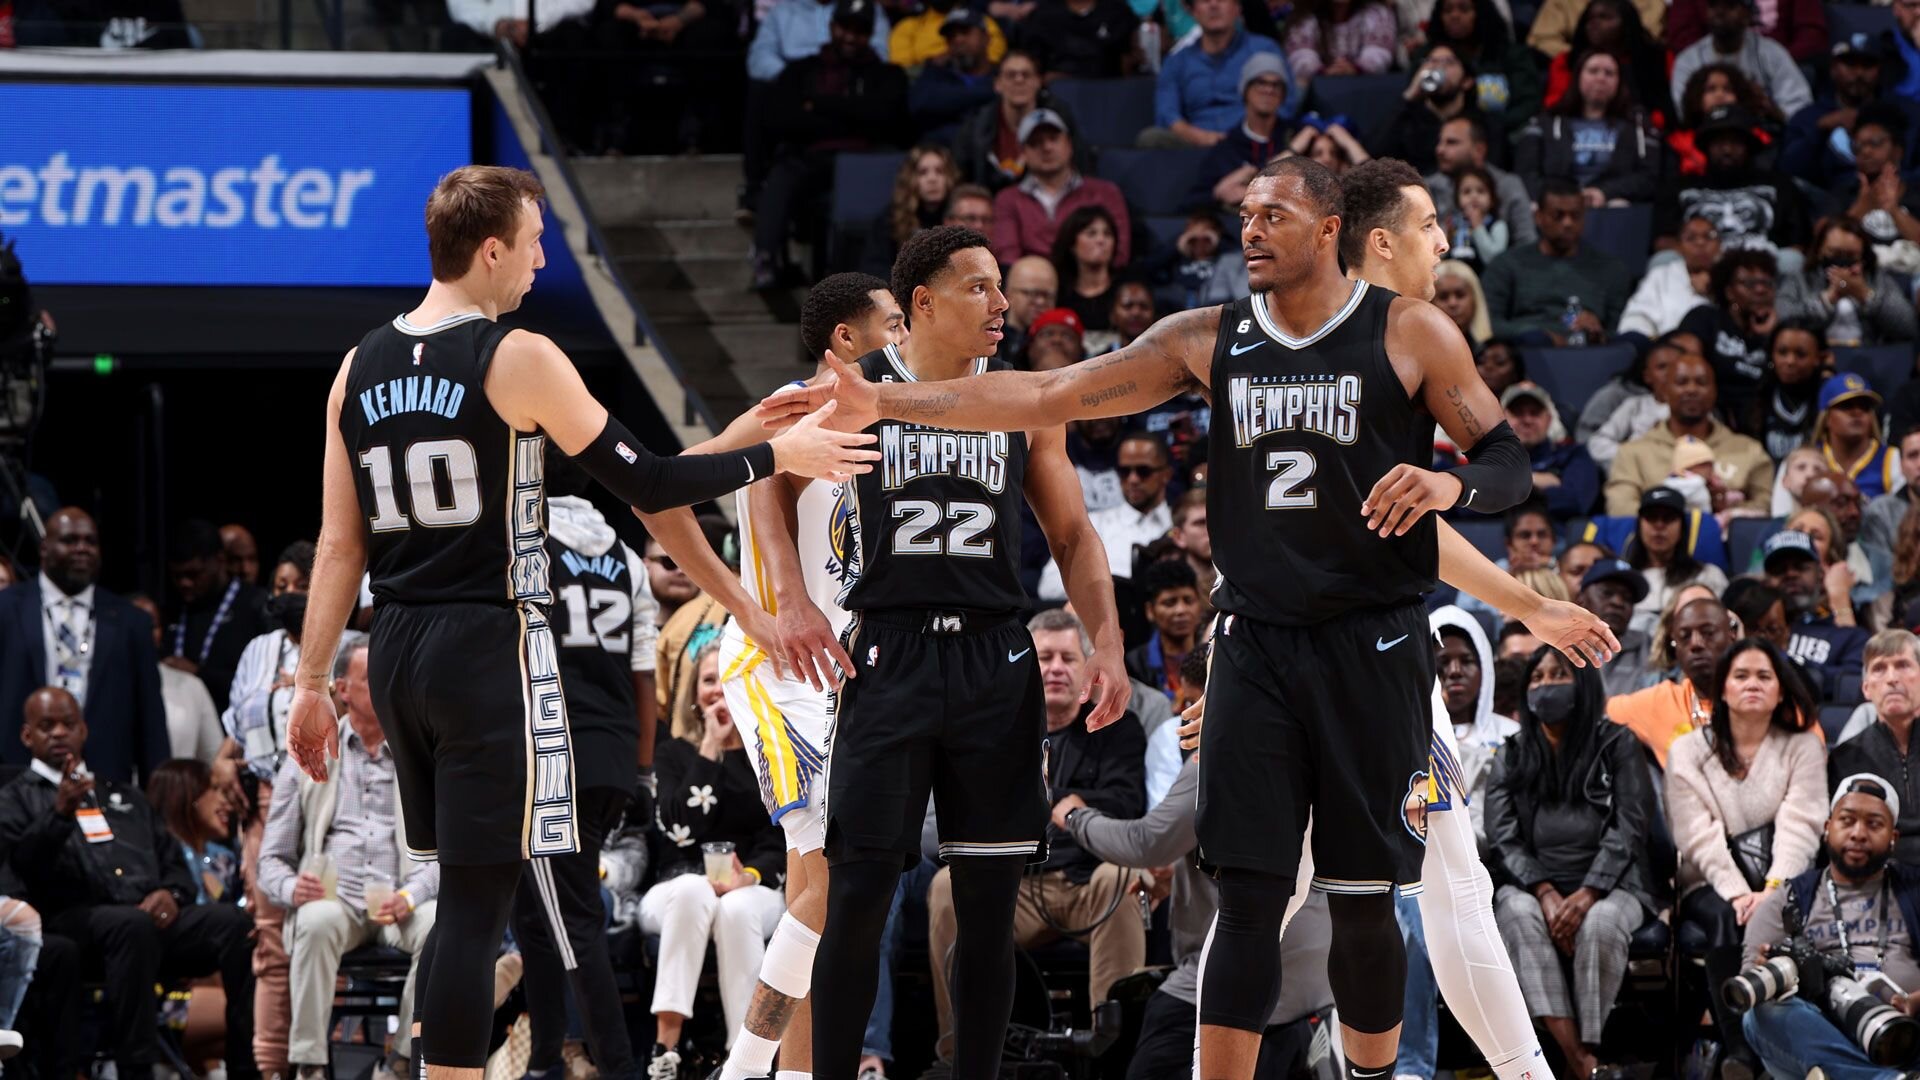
(1332, 720)
(956, 710)
(469, 697)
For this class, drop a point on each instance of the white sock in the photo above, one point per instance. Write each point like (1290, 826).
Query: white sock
(1527, 1065)
(785, 1075)
(751, 1057)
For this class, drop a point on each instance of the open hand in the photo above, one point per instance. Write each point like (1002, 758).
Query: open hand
(313, 732)
(1405, 495)
(1110, 683)
(859, 399)
(809, 647)
(810, 448)
(1580, 635)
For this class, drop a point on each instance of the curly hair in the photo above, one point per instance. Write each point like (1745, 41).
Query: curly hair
(837, 299)
(1720, 278)
(926, 255)
(1491, 35)
(1745, 92)
(1373, 196)
(903, 217)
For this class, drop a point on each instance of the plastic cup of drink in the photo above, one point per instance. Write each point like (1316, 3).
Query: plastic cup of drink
(719, 856)
(377, 891)
(320, 866)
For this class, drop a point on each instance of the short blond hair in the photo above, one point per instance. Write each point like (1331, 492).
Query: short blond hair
(469, 205)
(1891, 643)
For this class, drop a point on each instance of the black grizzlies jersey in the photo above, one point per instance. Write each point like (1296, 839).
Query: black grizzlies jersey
(1302, 429)
(451, 492)
(595, 578)
(936, 524)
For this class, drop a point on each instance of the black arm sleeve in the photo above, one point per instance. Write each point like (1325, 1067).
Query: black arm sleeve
(651, 483)
(1498, 474)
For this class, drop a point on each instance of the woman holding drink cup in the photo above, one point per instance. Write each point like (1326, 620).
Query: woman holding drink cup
(720, 866)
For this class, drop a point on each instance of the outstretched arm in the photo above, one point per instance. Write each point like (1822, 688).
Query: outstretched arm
(1572, 629)
(313, 732)
(1174, 355)
(1053, 490)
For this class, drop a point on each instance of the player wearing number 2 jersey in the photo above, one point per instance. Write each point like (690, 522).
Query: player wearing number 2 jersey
(1322, 667)
(433, 480)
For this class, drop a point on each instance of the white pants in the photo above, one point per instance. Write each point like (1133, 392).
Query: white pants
(323, 931)
(686, 914)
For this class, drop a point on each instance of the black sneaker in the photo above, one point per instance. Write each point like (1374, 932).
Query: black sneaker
(665, 1064)
(766, 273)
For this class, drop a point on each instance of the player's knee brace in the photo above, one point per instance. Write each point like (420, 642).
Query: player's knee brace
(788, 968)
(1366, 961)
(1240, 974)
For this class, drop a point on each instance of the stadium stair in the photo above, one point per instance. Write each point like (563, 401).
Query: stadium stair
(669, 224)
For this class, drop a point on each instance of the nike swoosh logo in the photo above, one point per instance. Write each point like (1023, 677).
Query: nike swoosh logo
(1381, 645)
(1237, 349)
(749, 472)
(1014, 657)
(1470, 496)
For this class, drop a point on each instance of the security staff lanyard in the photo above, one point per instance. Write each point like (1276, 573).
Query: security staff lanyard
(1840, 922)
(219, 616)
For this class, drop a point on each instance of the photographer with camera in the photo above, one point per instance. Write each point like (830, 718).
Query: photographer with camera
(1858, 910)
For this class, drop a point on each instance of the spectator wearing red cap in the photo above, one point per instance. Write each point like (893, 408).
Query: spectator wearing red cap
(1056, 338)
(1027, 215)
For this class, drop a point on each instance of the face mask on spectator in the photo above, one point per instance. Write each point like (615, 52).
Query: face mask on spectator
(289, 609)
(1552, 704)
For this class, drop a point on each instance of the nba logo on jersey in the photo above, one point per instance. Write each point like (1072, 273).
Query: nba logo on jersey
(626, 454)
(873, 655)
(418, 351)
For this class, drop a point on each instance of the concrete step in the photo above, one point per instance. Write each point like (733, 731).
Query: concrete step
(764, 355)
(720, 305)
(632, 190)
(681, 238)
(686, 272)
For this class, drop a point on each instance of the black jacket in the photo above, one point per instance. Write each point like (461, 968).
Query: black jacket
(1874, 751)
(1614, 807)
(1545, 152)
(827, 103)
(63, 871)
(1108, 769)
(124, 710)
(246, 619)
(973, 145)
(702, 801)
(1416, 131)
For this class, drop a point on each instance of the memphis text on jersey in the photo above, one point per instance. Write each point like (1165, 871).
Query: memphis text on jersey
(1265, 404)
(908, 452)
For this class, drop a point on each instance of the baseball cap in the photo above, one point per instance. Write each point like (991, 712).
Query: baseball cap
(1787, 544)
(1038, 119)
(1728, 118)
(1689, 451)
(962, 19)
(1056, 317)
(1616, 570)
(1861, 45)
(856, 14)
(1865, 783)
(1845, 386)
(1524, 389)
(1663, 498)
(1258, 65)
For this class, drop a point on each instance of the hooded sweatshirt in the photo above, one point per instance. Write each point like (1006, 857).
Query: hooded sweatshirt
(1489, 730)
(599, 630)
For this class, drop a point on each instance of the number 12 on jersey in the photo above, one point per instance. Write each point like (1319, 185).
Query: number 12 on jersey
(1293, 468)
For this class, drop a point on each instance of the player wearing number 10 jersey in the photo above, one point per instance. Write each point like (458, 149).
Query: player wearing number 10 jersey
(433, 481)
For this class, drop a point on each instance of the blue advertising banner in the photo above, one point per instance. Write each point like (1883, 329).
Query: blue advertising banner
(225, 185)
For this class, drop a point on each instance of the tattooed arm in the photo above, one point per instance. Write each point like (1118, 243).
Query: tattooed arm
(1174, 355)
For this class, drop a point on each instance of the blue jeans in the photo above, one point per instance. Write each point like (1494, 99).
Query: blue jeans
(878, 1041)
(1792, 1036)
(18, 954)
(1420, 1022)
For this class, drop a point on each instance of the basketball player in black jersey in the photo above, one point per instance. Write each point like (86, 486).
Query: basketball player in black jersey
(947, 694)
(436, 426)
(1323, 534)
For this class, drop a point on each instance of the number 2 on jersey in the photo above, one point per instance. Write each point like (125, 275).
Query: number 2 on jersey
(1294, 467)
(923, 516)
(423, 494)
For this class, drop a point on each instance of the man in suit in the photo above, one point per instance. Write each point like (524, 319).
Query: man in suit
(218, 613)
(60, 629)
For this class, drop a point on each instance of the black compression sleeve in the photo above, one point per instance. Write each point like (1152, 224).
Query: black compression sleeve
(651, 483)
(1498, 474)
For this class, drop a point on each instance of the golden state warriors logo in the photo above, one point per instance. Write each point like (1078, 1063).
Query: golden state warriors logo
(843, 539)
(1413, 809)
